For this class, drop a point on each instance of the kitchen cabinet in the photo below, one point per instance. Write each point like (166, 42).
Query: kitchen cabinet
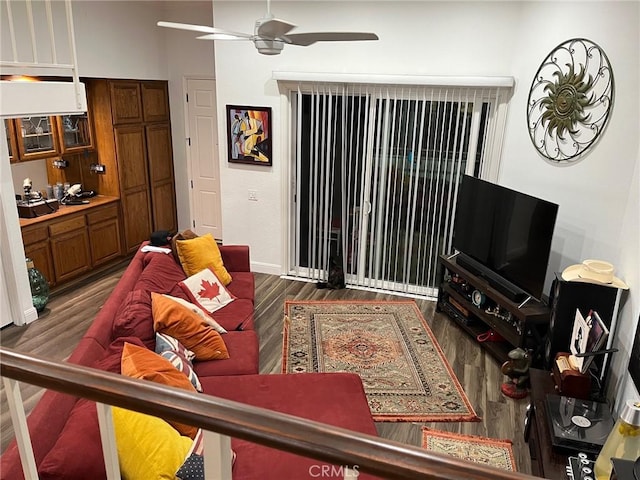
(74, 132)
(133, 138)
(69, 241)
(161, 179)
(36, 137)
(104, 234)
(155, 101)
(36, 247)
(126, 102)
(74, 240)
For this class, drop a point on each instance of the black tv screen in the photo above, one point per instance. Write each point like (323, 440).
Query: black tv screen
(507, 232)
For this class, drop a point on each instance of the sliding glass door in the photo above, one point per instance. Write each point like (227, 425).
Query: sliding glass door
(375, 176)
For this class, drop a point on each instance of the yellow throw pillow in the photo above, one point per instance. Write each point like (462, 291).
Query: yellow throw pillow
(188, 328)
(138, 362)
(148, 447)
(199, 253)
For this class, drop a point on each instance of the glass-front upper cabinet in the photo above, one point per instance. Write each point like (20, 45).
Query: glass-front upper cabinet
(37, 137)
(75, 133)
(11, 140)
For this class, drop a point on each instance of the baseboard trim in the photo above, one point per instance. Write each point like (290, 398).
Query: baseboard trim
(268, 268)
(30, 315)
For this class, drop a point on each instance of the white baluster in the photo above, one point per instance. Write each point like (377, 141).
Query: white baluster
(108, 437)
(19, 420)
(217, 456)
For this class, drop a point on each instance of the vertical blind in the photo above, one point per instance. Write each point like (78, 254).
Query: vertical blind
(376, 170)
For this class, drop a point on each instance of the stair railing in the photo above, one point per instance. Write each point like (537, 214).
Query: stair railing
(221, 419)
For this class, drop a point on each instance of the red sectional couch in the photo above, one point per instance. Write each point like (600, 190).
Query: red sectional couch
(62, 426)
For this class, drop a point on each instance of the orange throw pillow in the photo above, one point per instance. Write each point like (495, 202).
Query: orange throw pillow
(188, 328)
(139, 362)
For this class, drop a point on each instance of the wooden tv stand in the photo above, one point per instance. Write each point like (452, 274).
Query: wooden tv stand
(520, 325)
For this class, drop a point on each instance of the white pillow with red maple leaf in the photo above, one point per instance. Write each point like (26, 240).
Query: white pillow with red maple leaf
(206, 291)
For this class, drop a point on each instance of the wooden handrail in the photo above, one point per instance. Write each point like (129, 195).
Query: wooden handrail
(381, 457)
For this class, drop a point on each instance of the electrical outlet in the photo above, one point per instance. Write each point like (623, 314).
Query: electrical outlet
(253, 195)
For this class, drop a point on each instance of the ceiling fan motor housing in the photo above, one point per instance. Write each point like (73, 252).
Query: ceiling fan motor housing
(268, 47)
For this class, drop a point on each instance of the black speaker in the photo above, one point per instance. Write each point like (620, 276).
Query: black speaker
(564, 298)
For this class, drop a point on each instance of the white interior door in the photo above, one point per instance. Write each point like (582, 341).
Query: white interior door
(203, 157)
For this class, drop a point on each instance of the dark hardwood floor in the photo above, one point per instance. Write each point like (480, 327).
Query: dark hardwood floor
(69, 314)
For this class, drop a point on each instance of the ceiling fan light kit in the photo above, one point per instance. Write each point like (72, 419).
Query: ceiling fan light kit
(271, 34)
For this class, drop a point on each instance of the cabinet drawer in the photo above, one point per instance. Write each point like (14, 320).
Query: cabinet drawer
(102, 214)
(67, 225)
(34, 234)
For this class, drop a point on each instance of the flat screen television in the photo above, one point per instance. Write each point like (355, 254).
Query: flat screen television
(504, 236)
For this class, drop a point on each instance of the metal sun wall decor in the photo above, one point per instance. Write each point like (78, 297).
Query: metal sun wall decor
(570, 100)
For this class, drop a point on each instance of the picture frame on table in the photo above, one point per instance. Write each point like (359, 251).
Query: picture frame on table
(249, 138)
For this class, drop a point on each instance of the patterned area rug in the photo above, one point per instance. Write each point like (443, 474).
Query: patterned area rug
(405, 374)
(497, 453)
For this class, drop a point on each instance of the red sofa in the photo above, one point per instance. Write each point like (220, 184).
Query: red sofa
(61, 426)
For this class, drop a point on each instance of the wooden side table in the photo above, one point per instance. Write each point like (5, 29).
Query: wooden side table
(545, 462)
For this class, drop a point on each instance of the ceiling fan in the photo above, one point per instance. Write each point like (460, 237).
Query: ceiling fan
(271, 34)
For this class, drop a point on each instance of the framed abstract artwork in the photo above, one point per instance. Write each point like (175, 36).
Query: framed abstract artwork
(249, 137)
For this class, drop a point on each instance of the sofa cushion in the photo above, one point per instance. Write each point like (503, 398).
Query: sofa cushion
(236, 316)
(148, 447)
(181, 323)
(112, 359)
(243, 285)
(81, 434)
(320, 397)
(205, 290)
(200, 253)
(135, 319)
(243, 348)
(161, 273)
(138, 362)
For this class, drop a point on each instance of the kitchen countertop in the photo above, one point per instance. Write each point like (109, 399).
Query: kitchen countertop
(69, 209)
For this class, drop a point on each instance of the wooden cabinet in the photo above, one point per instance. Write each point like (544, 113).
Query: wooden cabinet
(36, 247)
(104, 234)
(155, 101)
(72, 244)
(161, 178)
(70, 247)
(133, 138)
(126, 102)
(74, 133)
(36, 137)
(10, 132)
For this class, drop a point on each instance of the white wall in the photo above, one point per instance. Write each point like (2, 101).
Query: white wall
(599, 209)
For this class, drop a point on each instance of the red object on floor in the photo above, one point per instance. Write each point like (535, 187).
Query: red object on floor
(511, 390)
(490, 336)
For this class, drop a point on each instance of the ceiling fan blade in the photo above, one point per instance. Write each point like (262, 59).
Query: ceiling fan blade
(187, 26)
(225, 36)
(305, 39)
(273, 28)
(205, 29)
